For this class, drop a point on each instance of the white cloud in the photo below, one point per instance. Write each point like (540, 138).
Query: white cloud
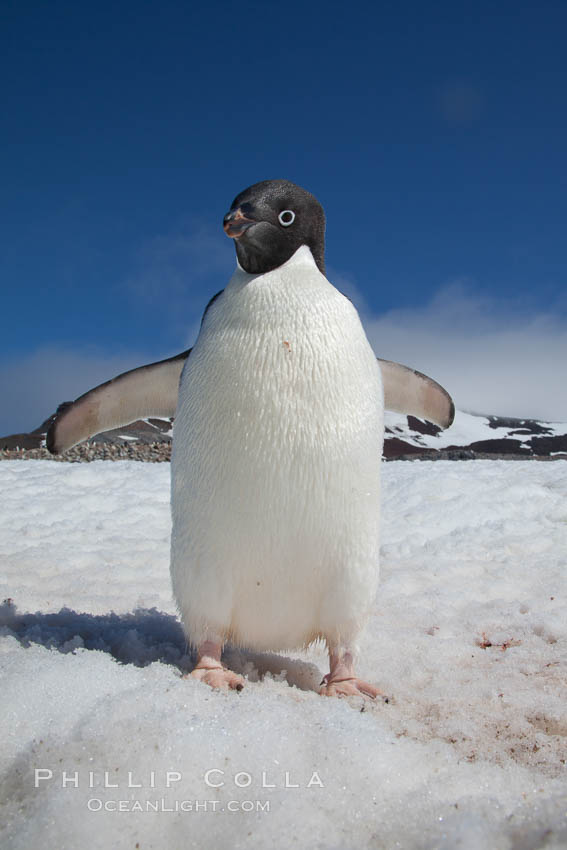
(346, 284)
(173, 275)
(32, 386)
(493, 356)
(172, 270)
(176, 273)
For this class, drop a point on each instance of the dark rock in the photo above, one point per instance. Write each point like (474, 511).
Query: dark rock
(502, 446)
(21, 441)
(423, 427)
(394, 447)
(547, 445)
(519, 426)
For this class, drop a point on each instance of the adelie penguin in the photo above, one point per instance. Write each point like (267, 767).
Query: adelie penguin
(277, 447)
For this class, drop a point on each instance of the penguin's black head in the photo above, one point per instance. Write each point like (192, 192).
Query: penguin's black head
(270, 220)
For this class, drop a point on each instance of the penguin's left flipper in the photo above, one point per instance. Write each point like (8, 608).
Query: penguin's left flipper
(146, 391)
(407, 391)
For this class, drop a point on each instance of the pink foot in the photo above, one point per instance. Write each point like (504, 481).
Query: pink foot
(218, 677)
(210, 670)
(347, 688)
(342, 681)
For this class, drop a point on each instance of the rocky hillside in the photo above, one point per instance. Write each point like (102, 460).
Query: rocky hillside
(472, 436)
(406, 438)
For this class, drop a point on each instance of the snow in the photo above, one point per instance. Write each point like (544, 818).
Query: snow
(466, 429)
(467, 638)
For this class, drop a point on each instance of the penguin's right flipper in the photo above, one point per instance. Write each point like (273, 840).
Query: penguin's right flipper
(146, 391)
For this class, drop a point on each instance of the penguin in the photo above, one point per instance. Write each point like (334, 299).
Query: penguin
(277, 448)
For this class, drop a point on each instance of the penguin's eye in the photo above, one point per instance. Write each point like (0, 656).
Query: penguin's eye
(286, 217)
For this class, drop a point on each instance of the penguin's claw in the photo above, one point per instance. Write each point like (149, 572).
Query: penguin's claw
(348, 687)
(341, 681)
(218, 677)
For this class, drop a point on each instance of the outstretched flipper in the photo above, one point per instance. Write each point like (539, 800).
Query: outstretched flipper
(408, 391)
(152, 391)
(146, 391)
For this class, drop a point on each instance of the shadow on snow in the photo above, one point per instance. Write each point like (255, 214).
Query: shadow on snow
(140, 638)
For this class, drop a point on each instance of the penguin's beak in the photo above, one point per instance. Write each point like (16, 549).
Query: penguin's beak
(235, 223)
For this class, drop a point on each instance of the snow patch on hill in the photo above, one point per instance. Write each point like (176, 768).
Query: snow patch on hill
(469, 428)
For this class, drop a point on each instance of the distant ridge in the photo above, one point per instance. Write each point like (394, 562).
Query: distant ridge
(473, 436)
(406, 437)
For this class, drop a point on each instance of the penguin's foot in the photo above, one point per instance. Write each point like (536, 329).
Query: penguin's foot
(348, 687)
(218, 677)
(209, 669)
(341, 681)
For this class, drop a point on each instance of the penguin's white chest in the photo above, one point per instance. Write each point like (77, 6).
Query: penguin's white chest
(276, 463)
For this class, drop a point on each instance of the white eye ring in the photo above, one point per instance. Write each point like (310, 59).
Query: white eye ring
(289, 218)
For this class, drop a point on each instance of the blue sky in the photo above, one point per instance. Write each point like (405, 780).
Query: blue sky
(435, 136)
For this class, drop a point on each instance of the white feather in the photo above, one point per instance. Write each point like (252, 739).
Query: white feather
(276, 465)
